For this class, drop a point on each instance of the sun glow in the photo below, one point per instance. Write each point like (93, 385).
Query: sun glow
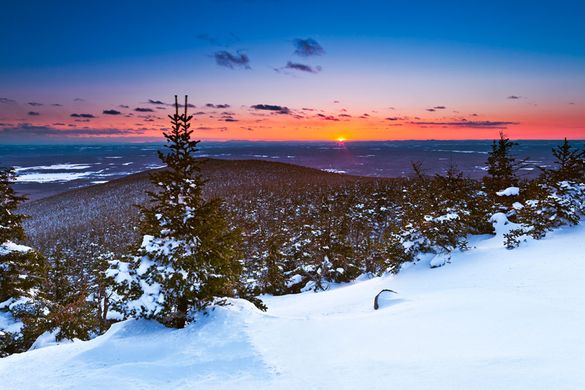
(341, 139)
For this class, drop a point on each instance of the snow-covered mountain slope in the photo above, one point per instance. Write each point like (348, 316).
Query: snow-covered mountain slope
(492, 319)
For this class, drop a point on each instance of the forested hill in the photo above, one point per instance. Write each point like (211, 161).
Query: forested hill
(105, 215)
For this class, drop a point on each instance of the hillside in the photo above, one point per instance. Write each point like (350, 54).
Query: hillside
(105, 214)
(493, 318)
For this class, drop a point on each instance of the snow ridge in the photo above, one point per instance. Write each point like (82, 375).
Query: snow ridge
(493, 318)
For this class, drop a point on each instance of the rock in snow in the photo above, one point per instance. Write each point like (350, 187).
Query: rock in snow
(491, 319)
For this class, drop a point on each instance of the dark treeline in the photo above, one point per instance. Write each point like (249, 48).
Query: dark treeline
(305, 240)
(105, 217)
(187, 248)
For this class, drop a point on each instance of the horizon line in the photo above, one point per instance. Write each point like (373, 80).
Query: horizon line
(162, 141)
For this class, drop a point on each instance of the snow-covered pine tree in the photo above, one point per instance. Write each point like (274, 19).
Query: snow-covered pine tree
(189, 258)
(501, 166)
(437, 213)
(387, 254)
(502, 174)
(72, 314)
(272, 279)
(334, 218)
(102, 289)
(22, 273)
(10, 222)
(556, 198)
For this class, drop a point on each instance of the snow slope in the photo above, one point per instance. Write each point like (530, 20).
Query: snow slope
(492, 319)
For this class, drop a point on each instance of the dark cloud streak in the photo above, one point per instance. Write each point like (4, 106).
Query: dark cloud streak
(470, 124)
(301, 67)
(112, 112)
(308, 47)
(26, 130)
(221, 106)
(82, 116)
(232, 61)
(271, 107)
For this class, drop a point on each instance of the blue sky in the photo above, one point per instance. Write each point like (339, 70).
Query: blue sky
(41, 33)
(469, 56)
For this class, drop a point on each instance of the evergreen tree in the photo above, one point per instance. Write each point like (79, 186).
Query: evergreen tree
(10, 222)
(570, 163)
(272, 279)
(22, 270)
(502, 167)
(387, 254)
(189, 257)
(555, 199)
(22, 273)
(102, 289)
(436, 212)
(71, 312)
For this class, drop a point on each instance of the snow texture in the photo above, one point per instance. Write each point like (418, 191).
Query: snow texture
(510, 191)
(55, 167)
(491, 319)
(52, 177)
(8, 323)
(10, 246)
(47, 339)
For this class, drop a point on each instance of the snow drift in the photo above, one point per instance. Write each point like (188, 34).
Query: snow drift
(491, 319)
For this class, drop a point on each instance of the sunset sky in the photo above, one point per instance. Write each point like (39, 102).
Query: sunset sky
(292, 70)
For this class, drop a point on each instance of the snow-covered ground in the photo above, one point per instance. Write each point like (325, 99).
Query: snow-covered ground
(491, 319)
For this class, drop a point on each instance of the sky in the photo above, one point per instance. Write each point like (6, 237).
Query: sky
(75, 71)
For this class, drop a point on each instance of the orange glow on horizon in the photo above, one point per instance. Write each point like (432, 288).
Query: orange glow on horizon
(529, 123)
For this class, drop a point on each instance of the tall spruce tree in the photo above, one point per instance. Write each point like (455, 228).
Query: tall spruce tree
(570, 162)
(72, 313)
(10, 222)
(502, 167)
(189, 256)
(554, 199)
(22, 272)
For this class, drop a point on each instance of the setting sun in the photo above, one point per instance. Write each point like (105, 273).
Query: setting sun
(341, 139)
